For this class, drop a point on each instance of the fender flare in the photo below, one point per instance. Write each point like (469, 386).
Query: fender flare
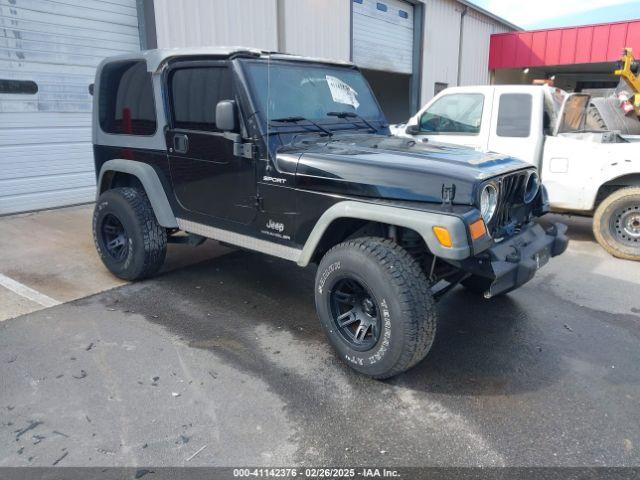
(151, 183)
(420, 221)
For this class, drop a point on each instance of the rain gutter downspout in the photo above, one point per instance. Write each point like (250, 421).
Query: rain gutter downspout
(460, 40)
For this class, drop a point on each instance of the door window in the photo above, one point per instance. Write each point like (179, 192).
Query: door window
(195, 92)
(514, 115)
(455, 114)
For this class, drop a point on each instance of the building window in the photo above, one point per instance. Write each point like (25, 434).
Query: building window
(18, 87)
(403, 14)
(195, 92)
(358, 1)
(126, 99)
(438, 87)
(514, 115)
(454, 114)
(381, 6)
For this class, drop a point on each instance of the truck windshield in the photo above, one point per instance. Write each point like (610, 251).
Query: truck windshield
(314, 92)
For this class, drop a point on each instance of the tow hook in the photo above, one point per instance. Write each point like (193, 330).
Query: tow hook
(514, 257)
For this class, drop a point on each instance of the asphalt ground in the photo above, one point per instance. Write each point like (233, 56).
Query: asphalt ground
(224, 363)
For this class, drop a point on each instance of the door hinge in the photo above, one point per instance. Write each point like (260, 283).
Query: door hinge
(259, 203)
(244, 150)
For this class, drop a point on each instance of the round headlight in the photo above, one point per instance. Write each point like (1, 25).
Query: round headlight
(532, 187)
(488, 202)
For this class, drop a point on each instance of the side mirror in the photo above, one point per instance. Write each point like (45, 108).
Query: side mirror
(227, 116)
(412, 129)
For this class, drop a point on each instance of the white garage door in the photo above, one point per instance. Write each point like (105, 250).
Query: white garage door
(48, 53)
(383, 35)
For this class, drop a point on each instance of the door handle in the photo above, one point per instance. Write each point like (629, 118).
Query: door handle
(180, 143)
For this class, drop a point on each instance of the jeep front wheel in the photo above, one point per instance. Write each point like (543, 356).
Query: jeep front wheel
(128, 238)
(375, 306)
(616, 223)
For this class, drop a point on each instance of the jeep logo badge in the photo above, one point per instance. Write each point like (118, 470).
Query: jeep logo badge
(277, 226)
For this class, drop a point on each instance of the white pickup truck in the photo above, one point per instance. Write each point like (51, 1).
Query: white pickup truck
(585, 171)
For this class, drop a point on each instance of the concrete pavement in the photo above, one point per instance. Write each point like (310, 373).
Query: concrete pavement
(51, 253)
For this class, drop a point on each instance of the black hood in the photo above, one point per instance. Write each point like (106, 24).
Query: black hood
(392, 167)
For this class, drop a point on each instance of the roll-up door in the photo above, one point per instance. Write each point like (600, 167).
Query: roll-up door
(383, 35)
(48, 53)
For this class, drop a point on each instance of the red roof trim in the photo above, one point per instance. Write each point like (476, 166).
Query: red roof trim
(602, 42)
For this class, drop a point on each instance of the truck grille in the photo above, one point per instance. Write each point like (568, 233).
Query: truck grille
(511, 212)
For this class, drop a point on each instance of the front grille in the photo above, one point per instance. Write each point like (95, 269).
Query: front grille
(511, 212)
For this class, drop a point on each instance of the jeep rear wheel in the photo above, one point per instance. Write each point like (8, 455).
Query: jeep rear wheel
(375, 306)
(616, 223)
(128, 238)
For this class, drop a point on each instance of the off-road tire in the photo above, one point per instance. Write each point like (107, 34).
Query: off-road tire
(146, 239)
(624, 199)
(405, 304)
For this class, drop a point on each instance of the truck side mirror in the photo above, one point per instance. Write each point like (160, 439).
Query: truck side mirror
(227, 116)
(412, 129)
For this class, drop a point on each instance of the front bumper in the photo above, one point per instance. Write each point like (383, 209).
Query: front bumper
(513, 262)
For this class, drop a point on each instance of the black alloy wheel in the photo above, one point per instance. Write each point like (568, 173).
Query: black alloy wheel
(356, 314)
(115, 237)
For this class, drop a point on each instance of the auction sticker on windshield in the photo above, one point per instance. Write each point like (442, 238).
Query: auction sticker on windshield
(342, 92)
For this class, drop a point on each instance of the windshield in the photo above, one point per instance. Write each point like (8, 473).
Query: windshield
(313, 92)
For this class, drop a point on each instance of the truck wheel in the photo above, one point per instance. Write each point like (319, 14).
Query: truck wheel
(375, 306)
(127, 236)
(616, 223)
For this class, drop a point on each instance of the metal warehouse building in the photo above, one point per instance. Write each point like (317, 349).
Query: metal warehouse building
(408, 50)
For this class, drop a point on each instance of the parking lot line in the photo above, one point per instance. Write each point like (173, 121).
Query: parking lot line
(26, 292)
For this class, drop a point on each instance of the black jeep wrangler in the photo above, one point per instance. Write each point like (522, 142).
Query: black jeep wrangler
(292, 157)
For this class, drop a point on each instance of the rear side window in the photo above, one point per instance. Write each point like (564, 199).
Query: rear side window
(514, 115)
(126, 99)
(195, 92)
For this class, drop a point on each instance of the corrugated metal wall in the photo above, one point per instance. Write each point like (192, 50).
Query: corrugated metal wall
(318, 28)
(45, 138)
(478, 29)
(441, 43)
(308, 27)
(247, 23)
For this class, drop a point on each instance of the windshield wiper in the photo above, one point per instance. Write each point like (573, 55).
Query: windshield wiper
(347, 114)
(302, 119)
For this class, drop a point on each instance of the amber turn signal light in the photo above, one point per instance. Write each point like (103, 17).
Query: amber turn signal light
(443, 236)
(477, 229)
